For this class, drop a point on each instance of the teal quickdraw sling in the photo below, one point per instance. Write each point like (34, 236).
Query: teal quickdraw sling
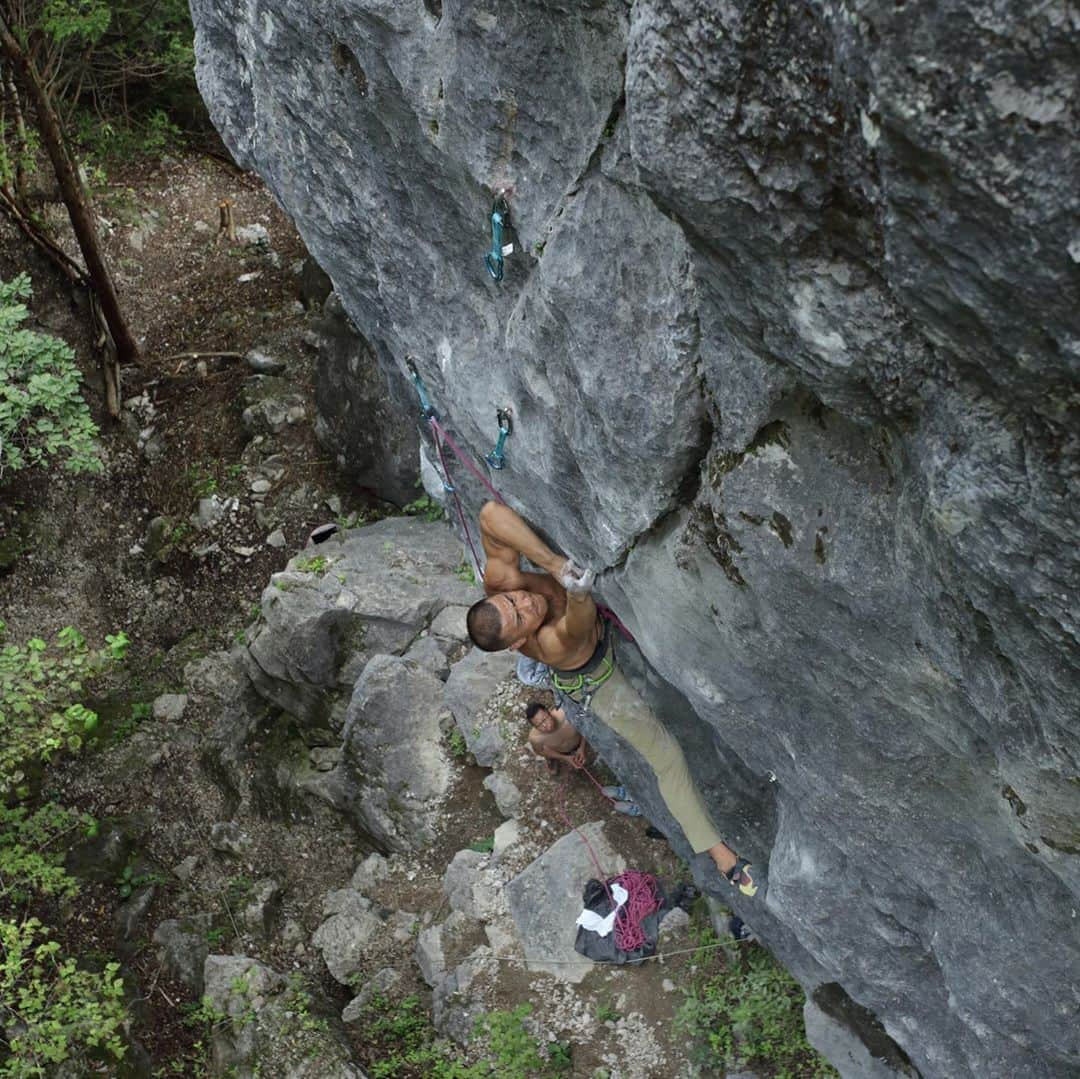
(497, 458)
(500, 224)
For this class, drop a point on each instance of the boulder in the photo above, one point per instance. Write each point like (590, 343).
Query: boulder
(366, 419)
(450, 623)
(369, 872)
(229, 838)
(374, 590)
(170, 707)
(345, 934)
(545, 901)
(429, 653)
(472, 683)
(380, 984)
(182, 948)
(507, 796)
(393, 752)
(262, 910)
(270, 1018)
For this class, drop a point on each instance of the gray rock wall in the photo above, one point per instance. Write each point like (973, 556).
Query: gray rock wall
(792, 342)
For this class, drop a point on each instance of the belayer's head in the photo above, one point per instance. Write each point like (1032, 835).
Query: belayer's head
(541, 719)
(506, 620)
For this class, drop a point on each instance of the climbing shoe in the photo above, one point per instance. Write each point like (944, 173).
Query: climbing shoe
(739, 876)
(622, 806)
(740, 930)
(554, 767)
(616, 794)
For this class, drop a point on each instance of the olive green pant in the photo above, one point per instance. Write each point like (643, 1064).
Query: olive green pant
(618, 705)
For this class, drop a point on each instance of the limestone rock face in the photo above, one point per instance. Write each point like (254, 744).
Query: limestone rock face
(792, 342)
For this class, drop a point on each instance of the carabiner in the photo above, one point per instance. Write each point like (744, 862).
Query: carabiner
(500, 221)
(427, 408)
(497, 459)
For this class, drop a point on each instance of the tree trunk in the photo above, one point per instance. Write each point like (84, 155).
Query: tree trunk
(74, 196)
(12, 95)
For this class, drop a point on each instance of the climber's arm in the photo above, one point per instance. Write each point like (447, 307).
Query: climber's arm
(578, 624)
(506, 537)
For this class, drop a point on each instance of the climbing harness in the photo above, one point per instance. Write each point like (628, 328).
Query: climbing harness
(497, 459)
(501, 241)
(589, 683)
(592, 674)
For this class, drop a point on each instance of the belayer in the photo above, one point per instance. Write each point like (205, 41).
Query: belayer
(551, 618)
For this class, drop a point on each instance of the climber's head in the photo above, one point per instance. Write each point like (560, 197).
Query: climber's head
(506, 619)
(540, 717)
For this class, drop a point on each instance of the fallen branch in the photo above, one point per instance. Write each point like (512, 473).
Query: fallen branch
(202, 356)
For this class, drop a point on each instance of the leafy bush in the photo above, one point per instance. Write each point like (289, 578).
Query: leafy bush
(424, 506)
(750, 1014)
(42, 412)
(30, 864)
(53, 1010)
(40, 687)
(407, 1045)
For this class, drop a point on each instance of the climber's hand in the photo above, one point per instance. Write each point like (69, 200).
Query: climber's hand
(577, 580)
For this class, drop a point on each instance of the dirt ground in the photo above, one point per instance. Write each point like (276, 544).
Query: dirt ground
(82, 559)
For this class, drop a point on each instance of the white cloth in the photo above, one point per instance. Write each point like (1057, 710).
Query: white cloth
(589, 919)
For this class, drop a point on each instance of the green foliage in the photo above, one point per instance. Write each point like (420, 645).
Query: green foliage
(751, 1015)
(458, 747)
(483, 846)
(126, 725)
(129, 880)
(406, 1044)
(316, 564)
(202, 482)
(424, 506)
(54, 1011)
(606, 1012)
(82, 20)
(30, 863)
(465, 573)
(514, 1053)
(42, 412)
(16, 153)
(40, 687)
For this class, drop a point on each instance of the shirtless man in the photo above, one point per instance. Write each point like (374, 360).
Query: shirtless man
(552, 735)
(551, 617)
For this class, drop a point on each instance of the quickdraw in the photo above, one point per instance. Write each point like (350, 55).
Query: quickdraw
(501, 237)
(497, 459)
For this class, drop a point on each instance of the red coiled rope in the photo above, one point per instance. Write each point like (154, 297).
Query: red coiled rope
(642, 898)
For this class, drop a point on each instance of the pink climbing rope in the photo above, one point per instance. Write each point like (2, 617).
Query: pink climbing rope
(642, 898)
(448, 484)
(641, 901)
(465, 459)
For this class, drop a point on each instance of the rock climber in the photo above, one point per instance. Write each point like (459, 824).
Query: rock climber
(551, 618)
(554, 737)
